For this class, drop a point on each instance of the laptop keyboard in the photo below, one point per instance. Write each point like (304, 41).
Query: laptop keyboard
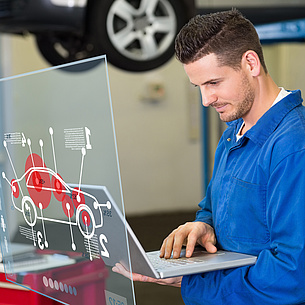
(162, 263)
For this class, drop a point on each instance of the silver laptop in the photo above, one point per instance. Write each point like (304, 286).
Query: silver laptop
(149, 263)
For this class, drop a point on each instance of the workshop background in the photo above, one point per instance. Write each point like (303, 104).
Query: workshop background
(165, 155)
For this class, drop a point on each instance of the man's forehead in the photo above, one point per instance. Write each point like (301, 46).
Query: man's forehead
(206, 69)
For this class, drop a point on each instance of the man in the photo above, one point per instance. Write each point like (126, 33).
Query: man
(255, 202)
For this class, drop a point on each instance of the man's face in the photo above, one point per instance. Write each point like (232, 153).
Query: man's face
(227, 90)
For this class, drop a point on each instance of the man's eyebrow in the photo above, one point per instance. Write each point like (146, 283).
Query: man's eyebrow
(208, 82)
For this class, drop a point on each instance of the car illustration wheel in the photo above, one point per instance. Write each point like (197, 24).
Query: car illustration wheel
(85, 221)
(136, 35)
(29, 211)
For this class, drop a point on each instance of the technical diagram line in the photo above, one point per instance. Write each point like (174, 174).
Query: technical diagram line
(31, 226)
(31, 153)
(53, 149)
(95, 255)
(81, 169)
(23, 140)
(27, 233)
(71, 232)
(57, 220)
(86, 224)
(94, 250)
(43, 227)
(41, 150)
(94, 243)
(92, 247)
(4, 177)
(12, 165)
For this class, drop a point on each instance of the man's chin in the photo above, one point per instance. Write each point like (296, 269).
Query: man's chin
(226, 118)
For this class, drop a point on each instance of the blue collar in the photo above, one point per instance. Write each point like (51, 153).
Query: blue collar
(266, 125)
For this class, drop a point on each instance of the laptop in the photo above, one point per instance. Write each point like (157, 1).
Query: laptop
(116, 230)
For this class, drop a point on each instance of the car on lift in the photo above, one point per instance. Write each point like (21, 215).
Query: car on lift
(135, 35)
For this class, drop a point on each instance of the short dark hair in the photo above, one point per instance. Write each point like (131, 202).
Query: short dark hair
(227, 34)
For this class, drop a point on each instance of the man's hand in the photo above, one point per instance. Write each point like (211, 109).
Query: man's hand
(175, 281)
(189, 234)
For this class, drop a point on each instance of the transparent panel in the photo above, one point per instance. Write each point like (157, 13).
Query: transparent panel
(61, 202)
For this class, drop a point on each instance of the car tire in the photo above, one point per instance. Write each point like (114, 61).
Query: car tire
(29, 211)
(61, 48)
(82, 208)
(136, 35)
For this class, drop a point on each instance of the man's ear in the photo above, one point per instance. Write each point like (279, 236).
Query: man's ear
(252, 63)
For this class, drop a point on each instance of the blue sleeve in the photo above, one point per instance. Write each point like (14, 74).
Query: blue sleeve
(205, 212)
(278, 277)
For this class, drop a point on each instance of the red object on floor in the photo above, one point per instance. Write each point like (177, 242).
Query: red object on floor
(82, 283)
(13, 294)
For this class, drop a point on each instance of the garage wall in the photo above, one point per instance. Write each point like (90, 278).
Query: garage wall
(286, 64)
(159, 149)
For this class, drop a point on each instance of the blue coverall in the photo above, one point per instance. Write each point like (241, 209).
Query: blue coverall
(256, 204)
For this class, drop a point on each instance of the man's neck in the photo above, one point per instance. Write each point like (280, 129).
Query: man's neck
(266, 92)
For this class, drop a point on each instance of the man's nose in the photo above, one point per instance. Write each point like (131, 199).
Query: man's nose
(207, 97)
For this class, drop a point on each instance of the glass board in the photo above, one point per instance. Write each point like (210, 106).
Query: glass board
(60, 182)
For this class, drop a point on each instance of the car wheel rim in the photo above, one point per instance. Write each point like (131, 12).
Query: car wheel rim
(84, 231)
(29, 211)
(141, 30)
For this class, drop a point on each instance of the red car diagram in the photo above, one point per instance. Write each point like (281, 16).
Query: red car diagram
(33, 191)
